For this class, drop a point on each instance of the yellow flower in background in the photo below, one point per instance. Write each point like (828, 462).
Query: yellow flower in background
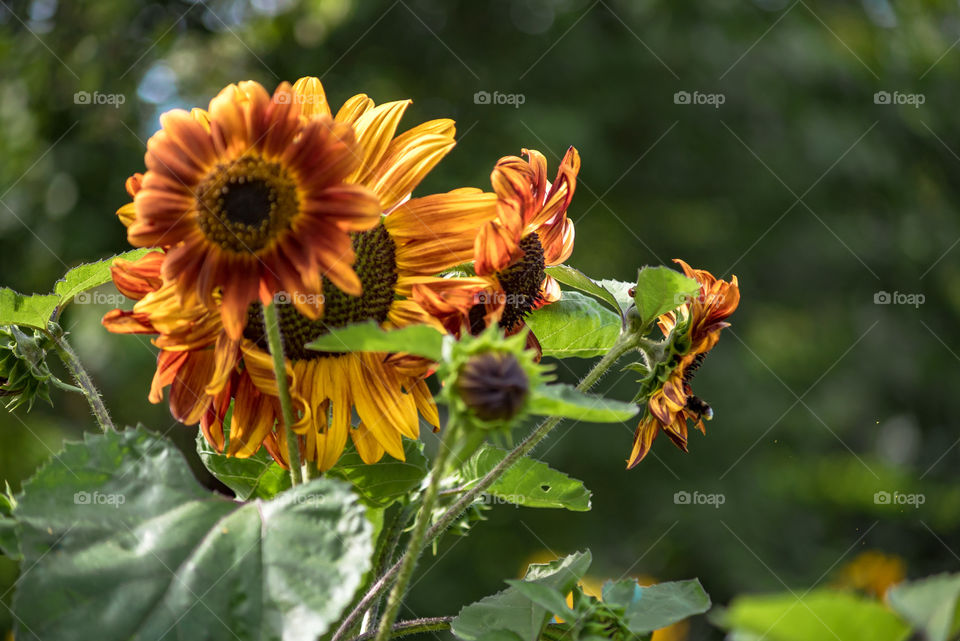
(251, 199)
(672, 401)
(872, 572)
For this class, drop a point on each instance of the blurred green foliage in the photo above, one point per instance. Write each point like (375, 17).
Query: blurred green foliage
(800, 183)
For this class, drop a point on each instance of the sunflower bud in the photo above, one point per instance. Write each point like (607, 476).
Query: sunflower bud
(24, 376)
(493, 385)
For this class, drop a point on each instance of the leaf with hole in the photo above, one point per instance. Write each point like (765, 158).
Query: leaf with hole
(527, 482)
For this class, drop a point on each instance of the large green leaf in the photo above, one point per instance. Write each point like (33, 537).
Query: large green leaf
(930, 604)
(577, 279)
(527, 482)
(38, 310)
(257, 477)
(656, 606)
(511, 612)
(421, 340)
(659, 290)
(89, 275)
(123, 543)
(822, 614)
(565, 400)
(385, 481)
(575, 326)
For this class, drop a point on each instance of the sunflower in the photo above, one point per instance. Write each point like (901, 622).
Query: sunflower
(530, 232)
(250, 198)
(208, 367)
(692, 331)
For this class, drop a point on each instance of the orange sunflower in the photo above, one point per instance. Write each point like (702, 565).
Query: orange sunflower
(250, 198)
(207, 366)
(692, 330)
(530, 232)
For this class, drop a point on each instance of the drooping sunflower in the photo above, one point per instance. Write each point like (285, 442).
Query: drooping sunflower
(530, 232)
(693, 330)
(250, 199)
(208, 367)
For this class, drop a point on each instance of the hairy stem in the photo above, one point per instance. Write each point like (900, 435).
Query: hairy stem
(389, 553)
(627, 342)
(408, 562)
(271, 322)
(413, 626)
(83, 380)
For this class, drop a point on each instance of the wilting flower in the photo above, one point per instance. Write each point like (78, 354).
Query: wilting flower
(208, 366)
(692, 331)
(530, 232)
(250, 198)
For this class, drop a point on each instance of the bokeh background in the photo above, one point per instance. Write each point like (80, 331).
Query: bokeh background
(815, 190)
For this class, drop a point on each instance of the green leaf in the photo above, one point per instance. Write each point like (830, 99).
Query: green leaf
(257, 477)
(511, 612)
(565, 400)
(930, 604)
(420, 340)
(38, 310)
(527, 482)
(577, 279)
(550, 599)
(821, 614)
(660, 290)
(575, 326)
(31, 311)
(117, 529)
(656, 606)
(386, 481)
(87, 276)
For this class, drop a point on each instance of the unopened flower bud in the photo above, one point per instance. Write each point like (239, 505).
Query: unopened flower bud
(493, 385)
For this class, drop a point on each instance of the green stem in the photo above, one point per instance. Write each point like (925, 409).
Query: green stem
(389, 553)
(408, 562)
(626, 343)
(83, 380)
(414, 626)
(271, 322)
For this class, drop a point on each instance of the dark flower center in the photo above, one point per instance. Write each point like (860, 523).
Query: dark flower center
(521, 284)
(376, 266)
(493, 385)
(244, 205)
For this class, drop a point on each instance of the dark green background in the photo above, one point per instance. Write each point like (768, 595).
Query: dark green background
(803, 186)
